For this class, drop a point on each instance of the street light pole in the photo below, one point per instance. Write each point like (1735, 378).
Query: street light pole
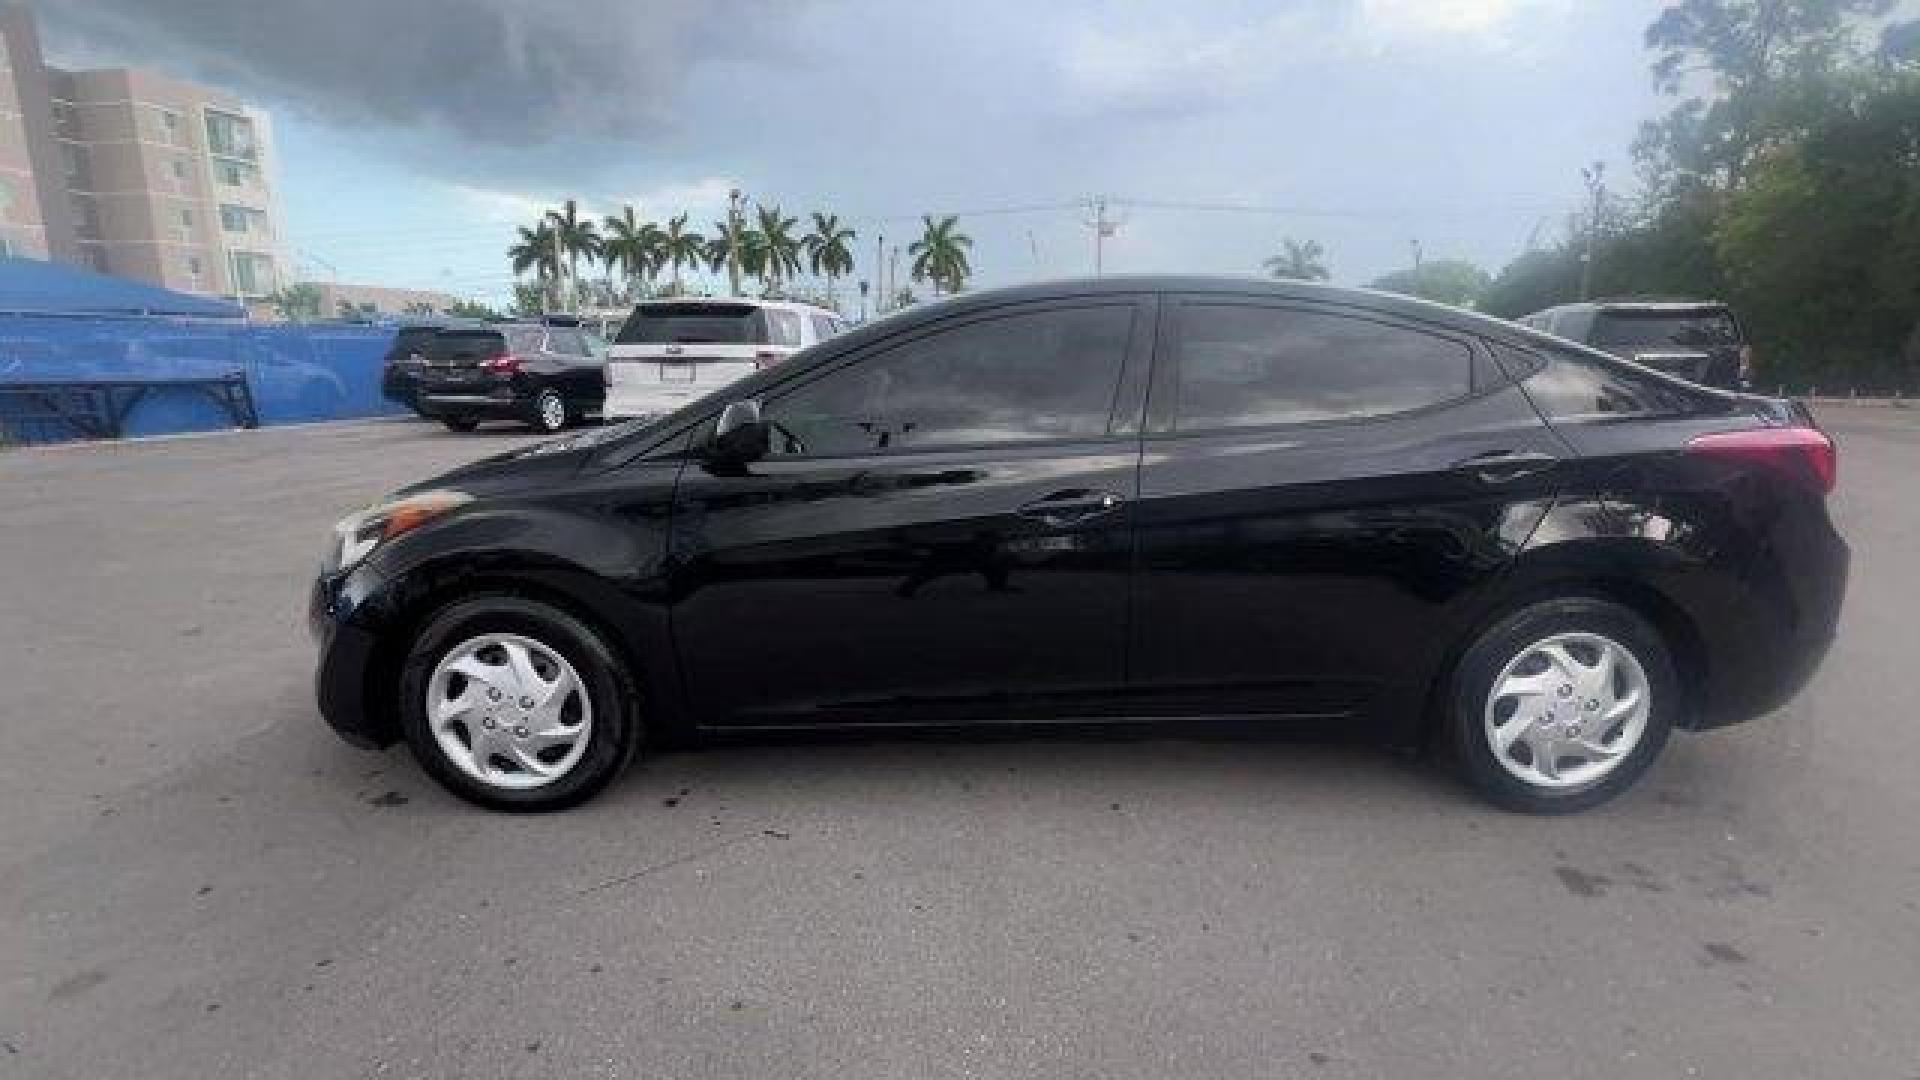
(733, 240)
(1597, 188)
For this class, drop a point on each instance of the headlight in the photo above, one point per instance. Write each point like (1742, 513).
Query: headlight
(357, 535)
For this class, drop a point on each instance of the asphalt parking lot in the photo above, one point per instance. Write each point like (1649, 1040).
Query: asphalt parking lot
(198, 880)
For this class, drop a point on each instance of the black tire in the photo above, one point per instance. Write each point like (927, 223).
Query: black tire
(612, 742)
(545, 413)
(460, 423)
(1473, 679)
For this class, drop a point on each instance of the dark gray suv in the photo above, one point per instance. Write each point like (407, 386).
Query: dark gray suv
(1698, 340)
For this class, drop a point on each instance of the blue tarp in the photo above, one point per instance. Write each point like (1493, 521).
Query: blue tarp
(34, 287)
(297, 373)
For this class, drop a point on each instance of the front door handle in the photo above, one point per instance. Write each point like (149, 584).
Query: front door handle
(1070, 507)
(1506, 468)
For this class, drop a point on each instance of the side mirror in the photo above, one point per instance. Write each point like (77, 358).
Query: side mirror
(740, 435)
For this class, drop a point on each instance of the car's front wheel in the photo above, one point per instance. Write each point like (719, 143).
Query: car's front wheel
(516, 705)
(1562, 705)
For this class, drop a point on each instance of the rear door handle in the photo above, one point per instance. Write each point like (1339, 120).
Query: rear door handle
(1070, 507)
(1506, 468)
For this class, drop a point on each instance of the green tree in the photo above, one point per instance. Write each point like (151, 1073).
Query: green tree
(1444, 281)
(535, 250)
(1299, 261)
(680, 246)
(780, 259)
(735, 244)
(529, 298)
(940, 255)
(829, 250)
(578, 239)
(633, 248)
(1764, 65)
(1821, 248)
(299, 302)
(471, 309)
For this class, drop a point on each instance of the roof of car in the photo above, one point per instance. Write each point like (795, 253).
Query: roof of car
(1648, 304)
(1216, 285)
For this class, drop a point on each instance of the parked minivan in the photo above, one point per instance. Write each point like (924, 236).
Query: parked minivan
(672, 351)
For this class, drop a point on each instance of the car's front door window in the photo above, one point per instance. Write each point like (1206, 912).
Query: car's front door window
(1030, 377)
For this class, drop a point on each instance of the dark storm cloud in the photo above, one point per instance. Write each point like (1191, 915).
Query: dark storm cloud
(494, 71)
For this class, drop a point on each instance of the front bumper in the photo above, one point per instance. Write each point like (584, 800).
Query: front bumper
(342, 676)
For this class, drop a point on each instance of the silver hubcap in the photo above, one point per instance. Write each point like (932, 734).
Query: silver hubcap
(553, 411)
(509, 711)
(1567, 710)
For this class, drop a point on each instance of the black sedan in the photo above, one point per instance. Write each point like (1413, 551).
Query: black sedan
(1148, 500)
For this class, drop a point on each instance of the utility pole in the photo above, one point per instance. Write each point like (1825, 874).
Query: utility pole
(1102, 228)
(733, 240)
(559, 268)
(1597, 188)
(880, 275)
(893, 270)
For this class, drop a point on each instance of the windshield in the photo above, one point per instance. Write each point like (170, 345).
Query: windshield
(1624, 333)
(699, 323)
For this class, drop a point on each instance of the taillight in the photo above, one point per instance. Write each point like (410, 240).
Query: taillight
(1800, 452)
(765, 358)
(503, 364)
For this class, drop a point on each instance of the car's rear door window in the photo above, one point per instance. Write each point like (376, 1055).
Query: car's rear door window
(1251, 365)
(694, 322)
(1030, 377)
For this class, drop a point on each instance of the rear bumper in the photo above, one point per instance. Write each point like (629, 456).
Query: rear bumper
(1766, 657)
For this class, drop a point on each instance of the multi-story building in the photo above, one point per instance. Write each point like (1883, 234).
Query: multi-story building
(134, 173)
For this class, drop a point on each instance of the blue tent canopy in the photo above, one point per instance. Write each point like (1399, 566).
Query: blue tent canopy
(34, 287)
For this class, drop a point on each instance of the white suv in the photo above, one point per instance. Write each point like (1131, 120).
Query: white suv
(672, 351)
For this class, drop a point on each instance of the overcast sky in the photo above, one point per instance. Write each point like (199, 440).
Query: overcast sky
(411, 133)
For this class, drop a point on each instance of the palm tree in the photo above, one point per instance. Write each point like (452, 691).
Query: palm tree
(829, 249)
(940, 255)
(735, 244)
(1301, 261)
(781, 257)
(576, 237)
(633, 247)
(681, 247)
(534, 250)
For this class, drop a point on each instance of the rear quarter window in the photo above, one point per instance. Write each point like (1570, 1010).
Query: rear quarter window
(1564, 385)
(783, 328)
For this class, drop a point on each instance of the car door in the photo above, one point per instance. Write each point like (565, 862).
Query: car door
(1321, 486)
(941, 533)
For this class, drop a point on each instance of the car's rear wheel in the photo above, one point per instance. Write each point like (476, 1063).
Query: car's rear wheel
(1562, 705)
(516, 705)
(549, 411)
(460, 423)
